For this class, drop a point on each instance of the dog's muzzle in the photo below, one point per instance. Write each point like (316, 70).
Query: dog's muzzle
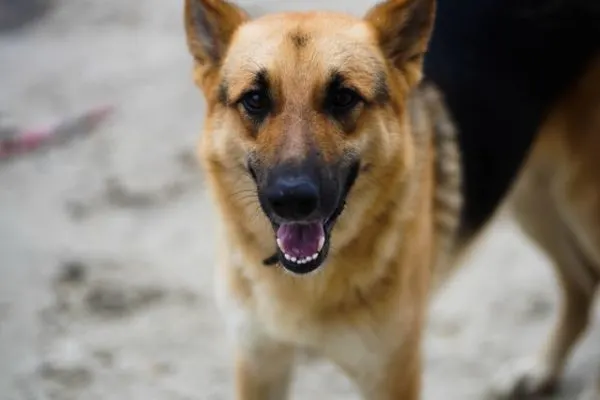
(303, 202)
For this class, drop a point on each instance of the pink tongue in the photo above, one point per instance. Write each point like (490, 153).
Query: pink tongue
(300, 240)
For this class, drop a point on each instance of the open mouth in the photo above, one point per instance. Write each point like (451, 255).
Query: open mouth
(301, 245)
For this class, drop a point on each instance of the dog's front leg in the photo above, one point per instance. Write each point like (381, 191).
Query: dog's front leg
(381, 374)
(400, 380)
(263, 368)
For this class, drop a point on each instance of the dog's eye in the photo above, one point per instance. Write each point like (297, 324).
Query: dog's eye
(344, 99)
(256, 102)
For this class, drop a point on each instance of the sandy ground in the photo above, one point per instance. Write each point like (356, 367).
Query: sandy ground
(106, 243)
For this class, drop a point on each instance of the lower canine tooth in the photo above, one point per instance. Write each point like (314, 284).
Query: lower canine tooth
(314, 256)
(321, 243)
(278, 242)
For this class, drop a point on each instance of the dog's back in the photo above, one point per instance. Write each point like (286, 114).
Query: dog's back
(501, 66)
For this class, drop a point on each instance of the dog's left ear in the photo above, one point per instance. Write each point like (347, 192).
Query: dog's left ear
(403, 28)
(209, 26)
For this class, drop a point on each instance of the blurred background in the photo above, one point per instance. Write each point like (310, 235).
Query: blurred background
(106, 241)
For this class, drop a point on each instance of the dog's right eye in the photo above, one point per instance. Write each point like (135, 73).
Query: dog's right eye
(256, 103)
(344, 99)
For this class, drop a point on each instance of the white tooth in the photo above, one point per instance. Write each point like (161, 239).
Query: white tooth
(278, 242)
(293, 259)
(321, 243)
(314, 256)
(287, 257)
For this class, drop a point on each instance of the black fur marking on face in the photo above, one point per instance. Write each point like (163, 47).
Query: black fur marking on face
(350, 174)
(272, 260)
(223, 97)
(300, 39)
(261, 79)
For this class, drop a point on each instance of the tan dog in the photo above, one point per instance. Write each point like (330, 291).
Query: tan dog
(330, 165)
(557, 202)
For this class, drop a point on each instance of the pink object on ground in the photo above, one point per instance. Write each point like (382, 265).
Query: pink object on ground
(16, 141)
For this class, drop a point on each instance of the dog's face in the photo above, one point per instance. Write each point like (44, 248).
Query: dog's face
(301, 108)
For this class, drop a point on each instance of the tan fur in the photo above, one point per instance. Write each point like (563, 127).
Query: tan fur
(365, 308)
(557, 202)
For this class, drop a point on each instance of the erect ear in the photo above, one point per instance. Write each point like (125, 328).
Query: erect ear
(403, 28)
(209, 26)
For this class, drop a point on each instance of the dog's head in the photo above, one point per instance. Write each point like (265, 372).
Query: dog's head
(300, 107)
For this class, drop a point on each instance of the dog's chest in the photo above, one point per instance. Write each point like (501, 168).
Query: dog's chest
(352, 342)
(266, 315)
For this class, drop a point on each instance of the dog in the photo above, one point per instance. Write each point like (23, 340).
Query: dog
(346, 196)
(333, 166)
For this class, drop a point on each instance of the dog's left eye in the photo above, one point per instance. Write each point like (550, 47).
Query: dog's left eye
(343, 100)
(256, 102)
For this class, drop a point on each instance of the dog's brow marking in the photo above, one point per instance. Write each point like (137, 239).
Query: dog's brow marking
(261, 78)
(336, 79)
(299, 39)
(223, 96)
(379, 92)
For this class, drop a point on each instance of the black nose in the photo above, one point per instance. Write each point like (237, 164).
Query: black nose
(293, 198)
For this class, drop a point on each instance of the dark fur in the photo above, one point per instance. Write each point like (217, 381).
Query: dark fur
(501, 65)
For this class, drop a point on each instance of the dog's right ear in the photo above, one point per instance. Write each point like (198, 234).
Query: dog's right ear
(403, 28)
(209, 26)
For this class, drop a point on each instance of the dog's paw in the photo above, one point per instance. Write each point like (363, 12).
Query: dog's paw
(527, 379)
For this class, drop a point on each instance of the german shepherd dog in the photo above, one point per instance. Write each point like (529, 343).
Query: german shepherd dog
(340, 184)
